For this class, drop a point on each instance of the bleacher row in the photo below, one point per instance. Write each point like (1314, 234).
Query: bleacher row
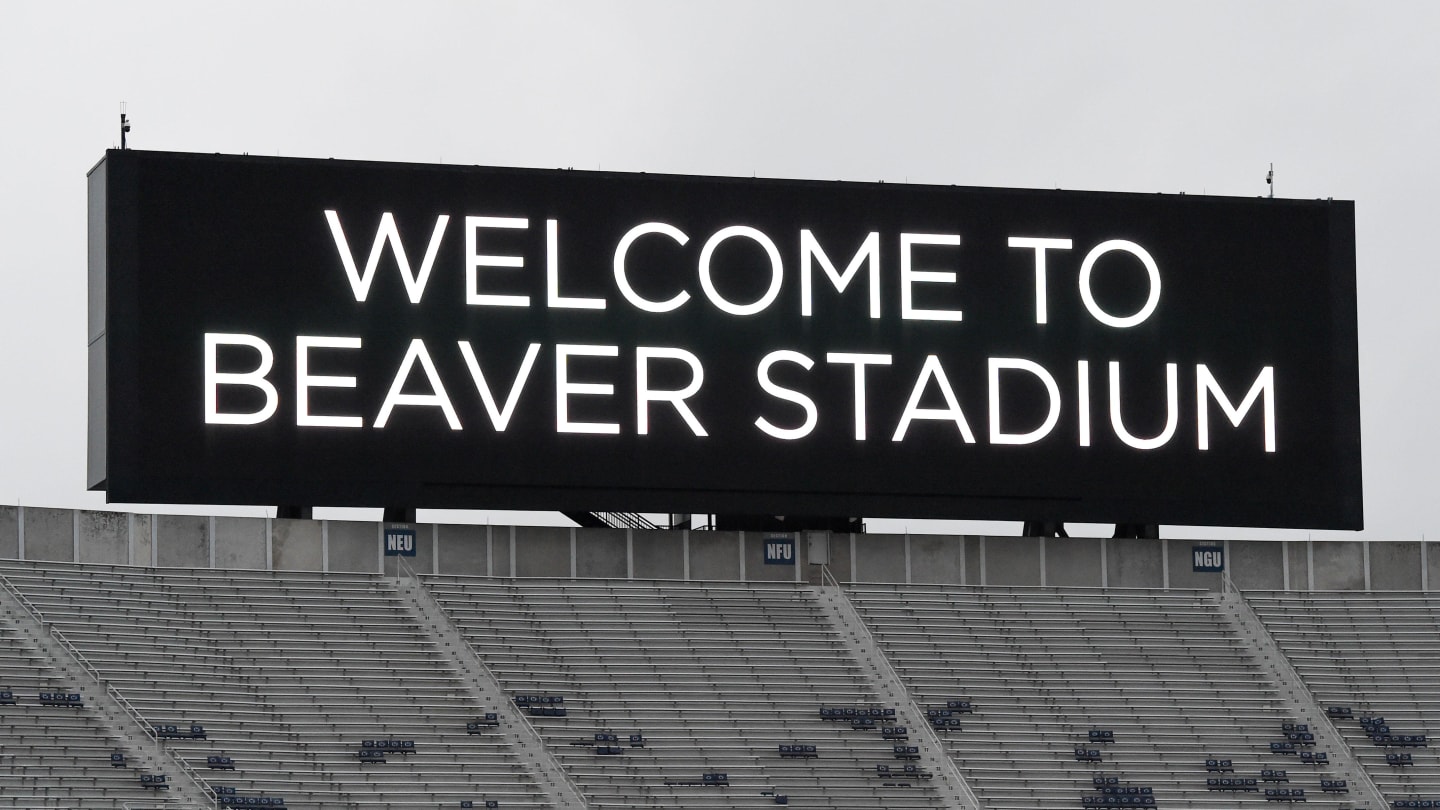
(294, 690)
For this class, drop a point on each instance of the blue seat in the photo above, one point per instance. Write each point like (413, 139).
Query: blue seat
(489, 720)
(154, 781)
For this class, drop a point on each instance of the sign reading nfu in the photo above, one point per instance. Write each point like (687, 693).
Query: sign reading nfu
(277, 331)
(779, 549)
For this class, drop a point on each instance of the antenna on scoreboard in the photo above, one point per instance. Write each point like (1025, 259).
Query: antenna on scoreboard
(124, 125)
(1270, 180)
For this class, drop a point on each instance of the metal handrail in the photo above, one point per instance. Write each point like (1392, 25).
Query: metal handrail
(514, 711)
(627, 520)
(79, 658)
(1287, 669)
(149, 730)
(949, 763)
(24, 602)
(401, 565)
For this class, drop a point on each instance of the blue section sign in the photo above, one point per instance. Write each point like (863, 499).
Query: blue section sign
(399, 542)
(1209, 559)
(780, 550)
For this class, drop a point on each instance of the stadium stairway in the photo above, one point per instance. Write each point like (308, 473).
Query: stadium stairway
(1302, 701)
(1372, 655)
(863, 648)
(84, 753)
(562, 791)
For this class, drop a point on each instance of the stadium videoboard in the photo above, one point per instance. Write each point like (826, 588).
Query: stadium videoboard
(323, 332)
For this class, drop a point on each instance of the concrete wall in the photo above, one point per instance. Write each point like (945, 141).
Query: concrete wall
(842, 560)
(547, 551)
(542, 551)
(879, 558)
(295, 545)
(1073, 562)
(941, 557)
(184, 541)
(49, 534)
(1297, 558)
(1010, 561)
(10, 532)
(715, 555)
(1134, 564)
(658, 555)
(502, 547)
(239, 542)
(1395, 565)
(464, 550)
(104, 537)
(1257, 566)
(603, 551)
(142, 545)
(355, 545)
(1337, 566)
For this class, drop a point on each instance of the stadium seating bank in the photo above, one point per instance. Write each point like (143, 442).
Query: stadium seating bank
(332, 689)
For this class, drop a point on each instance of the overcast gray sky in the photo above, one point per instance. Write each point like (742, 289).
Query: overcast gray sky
(1194, 97)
